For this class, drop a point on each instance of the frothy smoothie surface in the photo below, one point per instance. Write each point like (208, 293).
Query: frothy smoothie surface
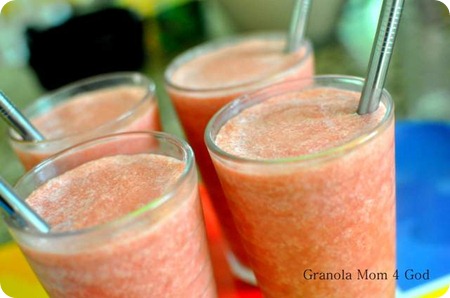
(103, 190)
(237, 64)
(297, 123)
(88, 111)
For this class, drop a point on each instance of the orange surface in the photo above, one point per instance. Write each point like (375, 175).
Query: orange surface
(227, 285)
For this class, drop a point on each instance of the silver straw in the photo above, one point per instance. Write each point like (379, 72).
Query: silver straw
(298, 25)
(381, 55)
(14, 205)
(17, 120)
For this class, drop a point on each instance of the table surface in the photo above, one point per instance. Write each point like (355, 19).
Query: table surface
(18, 280)
(21, 85)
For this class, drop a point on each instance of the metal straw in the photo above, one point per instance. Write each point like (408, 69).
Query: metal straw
(15, 206)
(298, 25)
(17, 120)
(381, 55)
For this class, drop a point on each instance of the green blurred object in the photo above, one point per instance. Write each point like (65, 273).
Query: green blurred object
(357, 27)
(181, 27)
(22, 87)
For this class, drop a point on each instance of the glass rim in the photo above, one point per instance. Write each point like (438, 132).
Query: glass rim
(122, 221)
(207, 47)
(304, 158)
(50, 96)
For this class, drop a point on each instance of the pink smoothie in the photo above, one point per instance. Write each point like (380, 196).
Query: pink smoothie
(235, 65)
(89, 115)
(204, 79)
(325, 204)
(158, 254)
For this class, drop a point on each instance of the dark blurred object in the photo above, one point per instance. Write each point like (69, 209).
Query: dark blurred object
(181, 26)
(103, 41)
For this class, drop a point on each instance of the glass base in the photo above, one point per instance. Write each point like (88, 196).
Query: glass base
(240, 271)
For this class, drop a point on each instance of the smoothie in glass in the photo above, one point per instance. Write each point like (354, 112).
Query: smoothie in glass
(311, 186)
(205, 78)
(87, 109)
(123, 225)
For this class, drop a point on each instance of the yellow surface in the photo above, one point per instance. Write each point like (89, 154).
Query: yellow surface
(16, 278)
(438, 293)
(149, 8)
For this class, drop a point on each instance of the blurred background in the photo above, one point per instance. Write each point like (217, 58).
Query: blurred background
(45, 44)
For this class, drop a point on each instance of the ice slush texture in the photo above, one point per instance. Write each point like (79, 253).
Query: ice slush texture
(160, 254)
(212, 79)
(324, 214)
(90, 115)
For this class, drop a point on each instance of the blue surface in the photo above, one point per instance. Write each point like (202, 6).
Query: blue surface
(423, 200)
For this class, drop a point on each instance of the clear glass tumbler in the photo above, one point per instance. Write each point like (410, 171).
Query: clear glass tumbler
(156, 250)
(320, 223)
(251, 62)
(86, 109)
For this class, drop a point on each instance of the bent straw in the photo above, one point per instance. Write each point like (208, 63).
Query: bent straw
(16, 120)
(298, 25)
(14, 205)
(383, 45)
